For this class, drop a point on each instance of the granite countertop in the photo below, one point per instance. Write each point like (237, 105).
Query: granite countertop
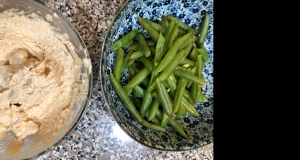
(97, 135)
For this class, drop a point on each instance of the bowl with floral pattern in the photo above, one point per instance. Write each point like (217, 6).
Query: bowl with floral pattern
(199, 130)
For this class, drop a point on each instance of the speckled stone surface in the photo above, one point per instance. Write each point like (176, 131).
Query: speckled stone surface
(97, 135)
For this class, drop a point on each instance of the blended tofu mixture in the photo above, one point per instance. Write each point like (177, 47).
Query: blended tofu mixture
(37, 75)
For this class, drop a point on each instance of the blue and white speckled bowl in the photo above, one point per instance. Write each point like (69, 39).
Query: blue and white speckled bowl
(200, 129)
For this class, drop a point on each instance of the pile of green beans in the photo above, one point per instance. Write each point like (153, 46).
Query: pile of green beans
(165, 71)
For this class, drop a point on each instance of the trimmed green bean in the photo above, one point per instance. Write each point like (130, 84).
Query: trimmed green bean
(173, 35)
(193, 71)
(136, 54)
(159, 51)
(137, 79)
(189, 107)
(171, 66)
(199, 69)
(155, 120)
(187, 95)
(143, 44)
(147, 62)
(171, 83)
(173, 123)
(118, 65)
(147, 99)
(189, 76)
(126, 58)
(159, 28)
(181, 111)
(171, 53)
(146, 26)
(193, 91)
(125, 99)
(128, 44)
(182, 25)
(164, 97)
(203, 29)
(139, 90)
(202, 97)
(204, 53)
(178, 94)
(194, 55)
(152, 126)
(164, 22)
(153, 108)
(134, 46)
(164, 119)
(167, 34)
(124, 40)
(187, 63)
(150, 43)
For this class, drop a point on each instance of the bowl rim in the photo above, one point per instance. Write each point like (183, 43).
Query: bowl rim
(44, 4)
(105, 98)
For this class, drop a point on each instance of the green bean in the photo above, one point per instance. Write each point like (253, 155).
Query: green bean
(126, 58)
(164, 75)
(184, 67)
(193, 91)
(128, 44)
(173, 123)
(125, 99)
(187, 62)
(199, 69)
(130, 106)
(181, 32)
(189, 76)
(173, 35)
(171, 83)
(167, 35)
(150, 43)
(152, 126)
(147, 99)
(139, 90)
(182, 25)
(147, 62)
(134, 46)
(164, 22)
(189, 107)
(136, 54)
(194, 55)
(193, 70)
(159, 51)
(153, 108)
(181, 111)
(203, 29)
(178, 94)
(118, 65)
(171, 53)
(164, 98)
(187, 95)
(159, 28)
(202, 97)
(143, 45)
(145, 82)
(137, 79)
(188, 48)
(151, 31)
(155, 120)
(171, 66)
(164, 119)
(124, 40)
(204, 53)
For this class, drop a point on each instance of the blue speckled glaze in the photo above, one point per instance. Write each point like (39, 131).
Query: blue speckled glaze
(200, 130)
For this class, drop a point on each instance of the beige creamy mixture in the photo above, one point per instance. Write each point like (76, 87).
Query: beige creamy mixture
(37, 75)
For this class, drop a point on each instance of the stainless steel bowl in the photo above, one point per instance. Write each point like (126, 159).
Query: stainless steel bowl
(32, 146)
